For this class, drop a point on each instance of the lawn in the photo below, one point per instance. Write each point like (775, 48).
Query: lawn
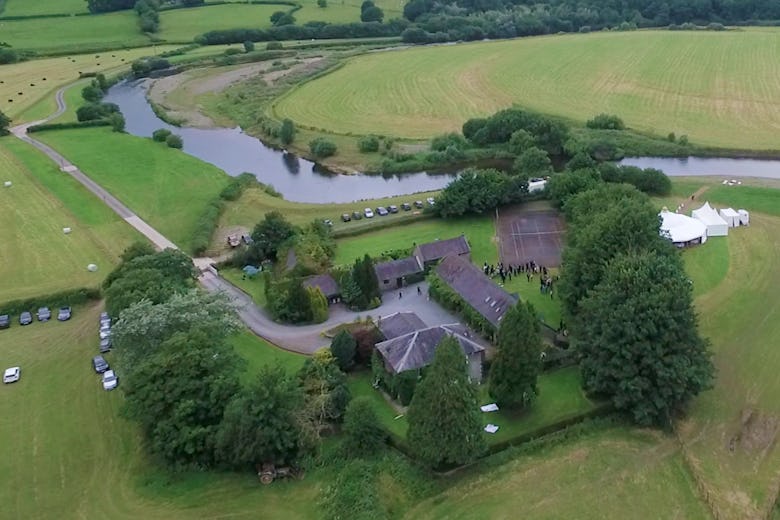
(59, 71)
(254, 287)
(116, 30)
(548, 309)
(166, 187)
(708, 264)
(479, 231)
(36, 257)
(73, 456)
(719, 88)
(560, 398)
(746, 197)
(39, 7)
(258, 353)
(609, 473)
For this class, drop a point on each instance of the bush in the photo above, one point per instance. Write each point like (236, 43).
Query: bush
(343, 347)
(91, 93)
(8, 56)
(232, 51)
(287, 132)
(249, 46)
(117, 122)
(363, 436)
(95, 111)
(174, 141)
(441, 143)
(606, 122)
(321, 148)
(322, 3)
(368, 144)
(161, 134)
(274, 46)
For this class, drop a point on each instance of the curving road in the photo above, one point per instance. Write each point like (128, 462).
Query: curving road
(303, 339)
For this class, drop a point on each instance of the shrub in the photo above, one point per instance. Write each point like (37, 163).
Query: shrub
(322, 3)
(161, 134)
(94, 111)
(321, 148)
(8, 56)
(363, 436)
(343, 347)
(606, 122)
(174, 141)
(117, 122)
(232, 51)
(287, 132)
(440, 143)
(273, 46)
(368, 144)
(91, 93)
(249, 46)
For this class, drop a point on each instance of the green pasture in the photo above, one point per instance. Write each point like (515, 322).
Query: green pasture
(609, 473)
(41, 7)
(71, 455)
(36, 257)
(166, 187)
(116, 30)
(37, 102)
(182, 25)
(719, 88)
(479, 231)
(751, 198)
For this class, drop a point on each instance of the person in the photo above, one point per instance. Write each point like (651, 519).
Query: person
(419, 291)
(400, 294)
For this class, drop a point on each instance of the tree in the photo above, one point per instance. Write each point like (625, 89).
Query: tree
(261, 423)
(606, 122)
(249, 46)
(520, 141)
(363, 435)
(287, 131)
(178, 396)
(322, 148)
(137, 249)
(444, 423)
(8, 56)
(269, 234)
(478, 191)
(91, 93)
(325, 390)
(174, 141)
(117, 122)
(5, 122)
(104, 6)
(516, 367)
(638, 338)
(174, 264)
(343, 347)
(372, 14)
(161, 135)
(322, 3)
(533, 162)
(140, 284)
(318, 304)
(368, 144)
(562, 186)
(364, 276)
(280, 18)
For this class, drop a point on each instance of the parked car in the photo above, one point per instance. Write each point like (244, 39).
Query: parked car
(346, 217)
(328, 222)
(431, 201)
(104, 317)
(106, 333)
(418, 204)
(356, 215)
(368, 213)
(64, 314)
(12, 375)
(44, 314)
(25, 318)
(99, 364)
(105, 345)
(392, 208)
(406, 206)
(5, 321)
(381, 211)
(109, 380)
(247, 239)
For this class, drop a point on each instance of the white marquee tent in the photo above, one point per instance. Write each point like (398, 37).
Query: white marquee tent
(744, 217)
(730, 216)
(682, 230)
(716, 226)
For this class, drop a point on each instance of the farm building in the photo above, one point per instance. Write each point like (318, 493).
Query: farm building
(394, 274)
(476, 289)
(716, 226)
(681, 229)
(414, 349)
(326, 284)
(730, 216)
(431, 252)
(399, 324)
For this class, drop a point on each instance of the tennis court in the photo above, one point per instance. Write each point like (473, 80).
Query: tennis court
(530, 235)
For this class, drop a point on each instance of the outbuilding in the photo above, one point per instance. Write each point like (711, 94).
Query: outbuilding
(716, 226)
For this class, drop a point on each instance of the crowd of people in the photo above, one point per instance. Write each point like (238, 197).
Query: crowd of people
(530, 269)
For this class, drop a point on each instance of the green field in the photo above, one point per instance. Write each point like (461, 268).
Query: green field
(39, 7)
(608, 474)
(182, 25)
(720, 89)
(58, 72)
(166, 187)
(71, 455)
(36, 257)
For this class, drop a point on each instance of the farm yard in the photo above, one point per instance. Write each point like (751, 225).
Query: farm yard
(719, 89)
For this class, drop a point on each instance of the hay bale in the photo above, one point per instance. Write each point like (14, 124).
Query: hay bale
(7, 184)
(92, 268)
(66, 230)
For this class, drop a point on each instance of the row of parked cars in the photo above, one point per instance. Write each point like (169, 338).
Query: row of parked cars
(43, 314)
(384, 211)
(99, 363)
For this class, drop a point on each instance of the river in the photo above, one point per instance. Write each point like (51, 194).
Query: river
(235, 152)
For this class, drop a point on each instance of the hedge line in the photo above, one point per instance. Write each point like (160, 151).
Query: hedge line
(60, 299)
(64, 126)
(208, 220)
(384, 224)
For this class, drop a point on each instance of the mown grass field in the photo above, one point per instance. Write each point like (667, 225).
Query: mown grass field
(611, 473)
(721, 89)
(69, 454)
(166, 187)
(36, 257)
(39, 7)
(37, 101)
(182, 25)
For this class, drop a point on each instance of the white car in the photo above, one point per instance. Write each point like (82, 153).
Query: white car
(368, 212)
(109, 380)
(431, 201)
(12, 375)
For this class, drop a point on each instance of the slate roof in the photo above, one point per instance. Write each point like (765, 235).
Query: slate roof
(438, 249)
(479, 291)
(416, 349)
(325, 282)
(400, 324)
(394, 269)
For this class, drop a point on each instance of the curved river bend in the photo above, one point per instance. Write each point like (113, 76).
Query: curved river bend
(300, 180)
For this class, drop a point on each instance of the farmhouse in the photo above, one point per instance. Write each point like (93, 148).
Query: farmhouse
(716, 226)
(682, 230)
(394, 274)
(431, 252)
(410, 344)
(326, 284)
(476, 289)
